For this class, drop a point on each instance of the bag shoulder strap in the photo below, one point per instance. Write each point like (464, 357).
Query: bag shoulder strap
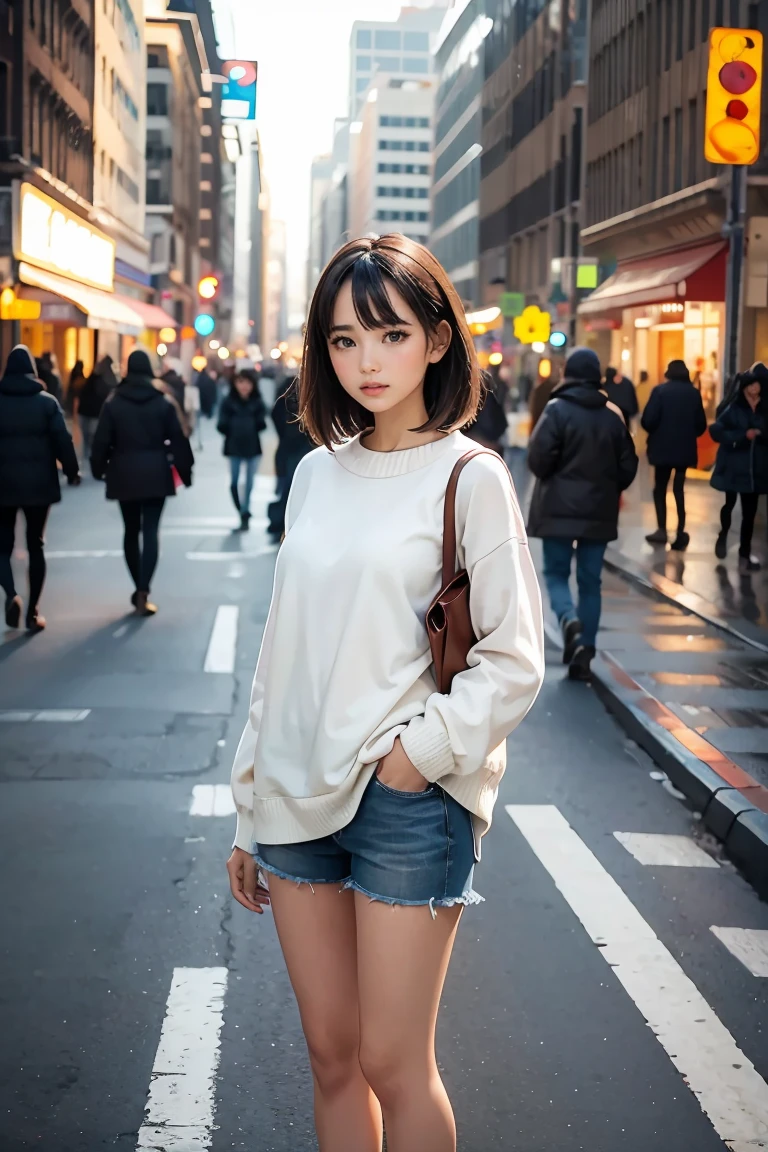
(449, 515)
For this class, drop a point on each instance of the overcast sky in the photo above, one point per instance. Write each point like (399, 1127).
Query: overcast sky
(302, 48)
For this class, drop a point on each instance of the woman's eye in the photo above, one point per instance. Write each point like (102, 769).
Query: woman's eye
(396, 337)
(343, 342)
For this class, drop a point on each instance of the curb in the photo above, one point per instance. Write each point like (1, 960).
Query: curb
(733, 806)
(684, 599)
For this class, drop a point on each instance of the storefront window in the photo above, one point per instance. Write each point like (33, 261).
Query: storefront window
(701, 350)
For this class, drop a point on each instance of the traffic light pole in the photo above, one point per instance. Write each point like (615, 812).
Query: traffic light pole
(734, 230)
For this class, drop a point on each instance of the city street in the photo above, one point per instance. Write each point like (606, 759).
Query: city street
(610, 994)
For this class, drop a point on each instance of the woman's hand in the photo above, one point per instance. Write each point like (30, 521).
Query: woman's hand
(243, 881)
(396, 771)
(752, 433)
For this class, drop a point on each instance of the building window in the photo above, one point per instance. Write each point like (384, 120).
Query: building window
(416, 41)
(387, 63)
(157, 100)
(387, 40)
(679, 33)
(206, 186)
(691, 25)
(363, 38)
(693, 141)
(363, 64)
(361, 84)
(665, 156)
(416, 64)
(705, 19)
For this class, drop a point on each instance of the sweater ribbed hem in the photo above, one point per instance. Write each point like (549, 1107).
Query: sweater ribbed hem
(288, 820)
(244, 832)
(428, 749)
(354, 457)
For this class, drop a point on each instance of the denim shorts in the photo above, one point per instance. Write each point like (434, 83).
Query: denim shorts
(400, 847)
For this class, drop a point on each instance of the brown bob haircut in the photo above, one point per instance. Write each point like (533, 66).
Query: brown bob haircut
(452, 387)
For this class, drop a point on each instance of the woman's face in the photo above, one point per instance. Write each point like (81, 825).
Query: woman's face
(382, 367)
(244, 386)
(752, 392)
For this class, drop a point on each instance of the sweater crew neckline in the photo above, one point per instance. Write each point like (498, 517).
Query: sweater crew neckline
(354, 457)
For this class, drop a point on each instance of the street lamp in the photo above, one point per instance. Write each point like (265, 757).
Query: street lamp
(223, 353)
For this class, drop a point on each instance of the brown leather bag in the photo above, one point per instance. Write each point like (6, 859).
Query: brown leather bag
(449, 624)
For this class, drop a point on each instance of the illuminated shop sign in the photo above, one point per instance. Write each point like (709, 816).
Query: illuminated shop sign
(50, 236)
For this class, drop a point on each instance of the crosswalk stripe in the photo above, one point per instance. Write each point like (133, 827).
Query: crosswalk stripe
(222, 645)
(665, 851)
(748, 945)
(47, 715)
(729, 1090)
(179, 1112)
(229, 556)
(212, 800)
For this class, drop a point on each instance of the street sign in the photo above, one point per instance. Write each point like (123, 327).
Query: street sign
(511, 304)
(238, 94)
(532, 326)
(734, 83)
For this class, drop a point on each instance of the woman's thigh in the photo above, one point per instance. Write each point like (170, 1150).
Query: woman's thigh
(316, 928)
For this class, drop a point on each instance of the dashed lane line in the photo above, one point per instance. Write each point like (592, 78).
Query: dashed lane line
(727, 1086)
(180, 1107)
(212, 800)
(665, 851)
(748, 945)
(222, 646)
(47, 715)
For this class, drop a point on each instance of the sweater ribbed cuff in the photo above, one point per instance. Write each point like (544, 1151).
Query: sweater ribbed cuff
(428, 748)
(244, 832)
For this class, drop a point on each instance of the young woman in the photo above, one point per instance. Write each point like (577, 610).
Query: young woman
(241, 418)
(362, 792)
(137, 439)
(741, 467)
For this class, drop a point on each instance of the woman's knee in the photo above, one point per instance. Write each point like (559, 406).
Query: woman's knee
(334, 1058)
(391, 1077)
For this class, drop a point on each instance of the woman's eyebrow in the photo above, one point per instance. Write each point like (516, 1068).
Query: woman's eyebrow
(340, 328)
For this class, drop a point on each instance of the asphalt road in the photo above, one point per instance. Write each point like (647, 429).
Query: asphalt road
(589, 1004)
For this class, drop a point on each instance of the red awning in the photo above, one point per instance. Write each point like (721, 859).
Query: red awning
(685, 274)
(153, 316)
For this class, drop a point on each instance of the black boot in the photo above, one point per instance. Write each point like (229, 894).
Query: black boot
(680, 542)
(245, 518)
(721, 545)
(580, 666)
(235, 496)
(12, 611)
(571, 630)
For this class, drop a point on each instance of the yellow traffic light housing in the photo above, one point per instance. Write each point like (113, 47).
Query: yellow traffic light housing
(734, 84)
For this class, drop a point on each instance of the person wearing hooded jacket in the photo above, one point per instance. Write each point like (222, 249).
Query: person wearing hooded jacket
(674, 419)
(137, 440)
(741, 467)
(33, 436)
(242, 416)
(583, 458)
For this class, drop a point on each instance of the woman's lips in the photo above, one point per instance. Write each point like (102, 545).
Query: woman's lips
(374, 389)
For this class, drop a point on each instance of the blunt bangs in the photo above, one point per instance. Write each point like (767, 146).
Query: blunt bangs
(374, 265)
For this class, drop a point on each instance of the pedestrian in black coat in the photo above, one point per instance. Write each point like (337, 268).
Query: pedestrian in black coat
(138, 439)
(242, 416)
(33, 436)
(741, 467)
(674, 419)
(293, 445)
(621, 391)
(46, 371)
(583, 458)
(206, 386)
(89, 401)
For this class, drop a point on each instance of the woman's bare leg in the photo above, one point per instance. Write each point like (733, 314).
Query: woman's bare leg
(317, 935)
(402, 959)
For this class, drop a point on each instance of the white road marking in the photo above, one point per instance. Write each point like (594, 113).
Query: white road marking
(212, 800)
(665, 851)
(100, 554)
(229, 556)
(179, 1112)
(121, 631)
(201, 531)
(729, 1090)
(749, 945)
(48, 715)
(222, 645)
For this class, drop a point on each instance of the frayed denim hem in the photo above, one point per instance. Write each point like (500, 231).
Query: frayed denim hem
(298, 880)
(467, 898)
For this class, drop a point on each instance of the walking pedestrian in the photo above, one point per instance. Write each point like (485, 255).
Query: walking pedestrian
(741, 466)
(137, 440)
(490, 427)
(621, 391)
(48, 372)
(362, 792)
(206, 384)
(192, 411)
(174, 381)
(89, 402)
(293, 444)
(33, 436)
(241, 419)
(583, 458)
(674, 419)
(74, 387)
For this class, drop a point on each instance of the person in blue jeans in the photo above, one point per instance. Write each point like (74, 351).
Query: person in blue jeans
(242, 416)
(583, 458)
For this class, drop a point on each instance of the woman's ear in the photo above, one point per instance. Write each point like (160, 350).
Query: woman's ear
(439, 342)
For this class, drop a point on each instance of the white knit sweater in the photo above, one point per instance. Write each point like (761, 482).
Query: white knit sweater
(345, 664)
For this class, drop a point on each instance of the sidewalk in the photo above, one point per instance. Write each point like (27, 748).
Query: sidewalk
(695, 578)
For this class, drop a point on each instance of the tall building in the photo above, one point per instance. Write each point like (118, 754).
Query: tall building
(276, 287)
(533, 120)
(259, 233)
(655, 208)
(460, 72)
(176, 64)
(119, 123)
(56, 254)
(335, 201)
(399, 47)
(391, 159)
(319, 183)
